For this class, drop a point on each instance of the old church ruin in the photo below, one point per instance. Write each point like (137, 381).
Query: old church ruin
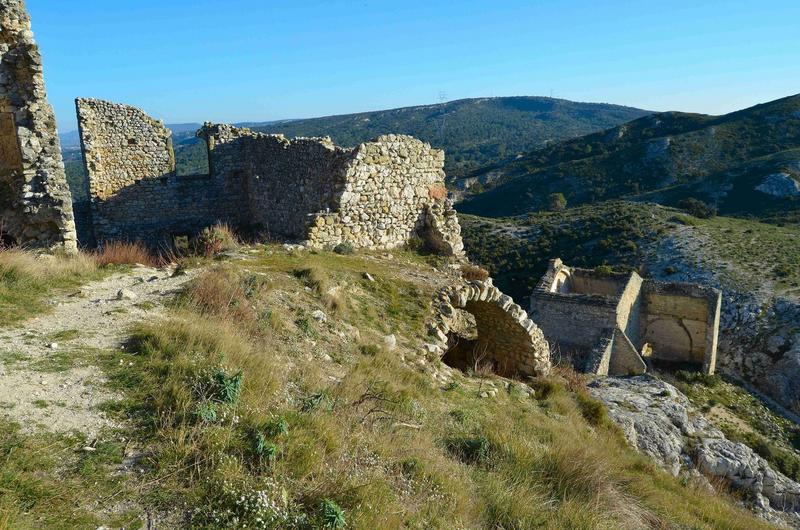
(380, 194)
(35, 201)
(611, 323)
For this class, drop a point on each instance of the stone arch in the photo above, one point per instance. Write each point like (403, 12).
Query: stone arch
(505, 339)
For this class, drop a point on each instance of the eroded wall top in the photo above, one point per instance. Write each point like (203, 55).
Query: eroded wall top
(35, 201)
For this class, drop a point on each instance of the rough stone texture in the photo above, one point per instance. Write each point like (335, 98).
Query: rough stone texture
(380, 194)
(658, 420)
(779, 185)
(134, 191)
(506, 339)
(593, 317)
(35, 201)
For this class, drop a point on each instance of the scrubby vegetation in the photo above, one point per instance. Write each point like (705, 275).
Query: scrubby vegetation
(516, 250)
(666, 158)
(254, 412)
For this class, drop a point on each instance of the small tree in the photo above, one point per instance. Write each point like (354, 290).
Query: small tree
(556, 202)
(697, 208)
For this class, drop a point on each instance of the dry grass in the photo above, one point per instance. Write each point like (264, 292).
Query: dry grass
(473, 272)
(371, 433)
(125, 253)
(27, 277)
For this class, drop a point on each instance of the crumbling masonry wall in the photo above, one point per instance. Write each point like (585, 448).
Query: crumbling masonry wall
(380, 194)
(35, 201)
(134, 191)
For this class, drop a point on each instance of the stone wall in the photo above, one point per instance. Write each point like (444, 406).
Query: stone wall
(381, 194)
(134, 191)
(288, 183)
(35, 202)
(681, 322)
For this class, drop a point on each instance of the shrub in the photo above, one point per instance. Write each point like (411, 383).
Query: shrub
(592, 410)
(124, 253)
(556, 202)
(697, 208)
(332, 514)
(215, 239)
(474, 272)
(546, 387)
(604, 270)
(344, 249)
(470, 449)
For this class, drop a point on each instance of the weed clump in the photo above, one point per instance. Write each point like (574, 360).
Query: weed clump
(214, 240)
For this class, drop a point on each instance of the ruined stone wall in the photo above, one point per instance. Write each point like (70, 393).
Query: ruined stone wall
(681, 322)
(629, 308)
(379, 194)
(134, 191)
(391, 184)
(573, 322)
(288, 182)
(35, 201)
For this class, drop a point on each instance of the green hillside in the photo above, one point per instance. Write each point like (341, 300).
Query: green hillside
(473, 132)
(626, 236)
(664, 157)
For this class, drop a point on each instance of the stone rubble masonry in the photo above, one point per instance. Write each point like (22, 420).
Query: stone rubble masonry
(35, 201)
(381, 194)
(514, 345)
(607, 322)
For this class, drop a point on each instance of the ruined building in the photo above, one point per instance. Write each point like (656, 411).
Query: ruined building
(35, 201)
(613, 323)
(380, 194)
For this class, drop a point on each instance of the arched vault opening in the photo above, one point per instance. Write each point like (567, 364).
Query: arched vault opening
(480, 328)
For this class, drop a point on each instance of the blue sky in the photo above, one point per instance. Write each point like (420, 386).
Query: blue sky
(248, 60)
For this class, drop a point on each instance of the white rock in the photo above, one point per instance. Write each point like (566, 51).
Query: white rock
(125, 294)
(319, 316)
(390, 341)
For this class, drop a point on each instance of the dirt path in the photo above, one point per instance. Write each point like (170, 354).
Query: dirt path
(48, 374)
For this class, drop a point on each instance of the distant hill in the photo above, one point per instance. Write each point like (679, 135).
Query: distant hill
(745, 163)
(473, 132)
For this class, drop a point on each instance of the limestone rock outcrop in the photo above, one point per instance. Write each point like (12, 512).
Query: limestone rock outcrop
(659, 421)
(35, 201)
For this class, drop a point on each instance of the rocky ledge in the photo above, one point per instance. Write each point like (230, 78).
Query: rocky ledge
(659, 421)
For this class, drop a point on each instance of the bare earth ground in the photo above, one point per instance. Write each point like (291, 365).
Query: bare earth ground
(47, 376)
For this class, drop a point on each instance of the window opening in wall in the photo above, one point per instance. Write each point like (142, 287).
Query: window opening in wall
(191, 155)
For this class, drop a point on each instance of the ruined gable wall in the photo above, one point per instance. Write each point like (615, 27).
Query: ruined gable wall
(135, 194)
(35, 201)
(681, 322)
(389, 183)
(286, 181)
